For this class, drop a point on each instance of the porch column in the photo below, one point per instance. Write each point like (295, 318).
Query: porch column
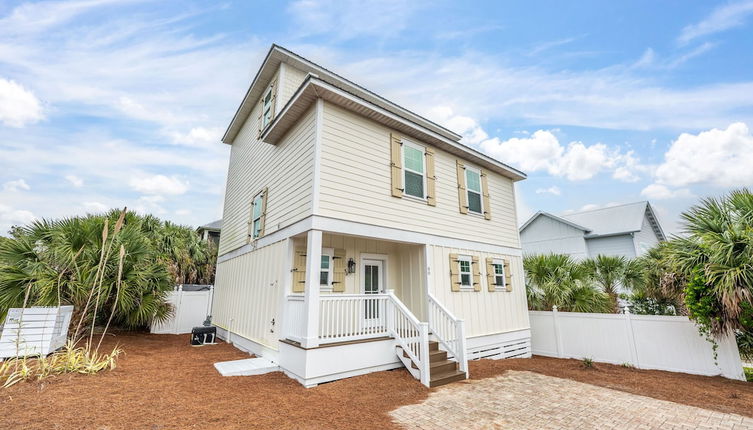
(311, 292)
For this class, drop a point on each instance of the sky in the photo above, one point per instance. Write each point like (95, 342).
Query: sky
(112, 103)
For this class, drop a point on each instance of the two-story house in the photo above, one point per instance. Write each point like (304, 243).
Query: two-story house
(628, 230)
(358, 236)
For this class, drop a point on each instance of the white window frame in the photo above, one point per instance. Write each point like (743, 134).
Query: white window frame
(260, 197)
(327, 252)
(503, 285)
(267, 106)
(468, 191)
(469, 259)
(406, 169)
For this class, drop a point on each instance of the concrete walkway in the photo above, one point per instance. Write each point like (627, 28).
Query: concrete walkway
(527, 400)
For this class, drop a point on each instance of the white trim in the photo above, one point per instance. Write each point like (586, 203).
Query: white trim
(470, 153)
(499, 262)
(375, 257)
(316, 185)
(248, 345)
(329, 252)
(422, 150)
(469, 260)
(311, 291)
(467, 168)
(280, 82)
(353, 228)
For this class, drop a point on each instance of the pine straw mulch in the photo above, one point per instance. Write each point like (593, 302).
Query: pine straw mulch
(163, 383)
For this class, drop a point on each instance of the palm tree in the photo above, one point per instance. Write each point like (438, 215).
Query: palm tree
(58, 262)
(610, 273)
(557, 280)
(661, 286)
(717, 253)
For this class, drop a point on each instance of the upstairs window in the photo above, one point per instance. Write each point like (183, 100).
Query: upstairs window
(413, 170)
(256, 216)
(473, 188)
(266, 116)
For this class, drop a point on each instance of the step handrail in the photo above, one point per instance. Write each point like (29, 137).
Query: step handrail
(400, 322)
(449, 330)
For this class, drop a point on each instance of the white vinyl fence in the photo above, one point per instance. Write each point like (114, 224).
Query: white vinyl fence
(645, 341)
(190, 309)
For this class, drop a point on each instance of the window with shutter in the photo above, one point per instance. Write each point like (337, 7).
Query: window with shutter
(414, 170)
(497, 274)
(258, 215)
(326, 269)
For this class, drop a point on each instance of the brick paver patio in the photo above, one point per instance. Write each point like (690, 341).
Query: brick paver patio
(527, 400)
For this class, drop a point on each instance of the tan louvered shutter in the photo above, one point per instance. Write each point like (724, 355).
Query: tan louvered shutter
(263, 220)
(508, 275)
(338, 274)
(396, 165)
(431, 188)
(490, 275)
(485, 195)
(454, 273)
(261, 112)
(273, 101)
(299, 270)
(476, 273)
(462, 195)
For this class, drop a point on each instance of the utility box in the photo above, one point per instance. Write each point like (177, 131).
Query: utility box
(203, 336)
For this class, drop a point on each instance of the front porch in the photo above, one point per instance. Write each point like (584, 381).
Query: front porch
(356, 305)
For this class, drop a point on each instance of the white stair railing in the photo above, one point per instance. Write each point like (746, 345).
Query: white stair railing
(411, 335)
(345, 317)
(450, 332)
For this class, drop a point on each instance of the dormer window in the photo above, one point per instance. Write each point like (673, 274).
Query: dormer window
(266, 116)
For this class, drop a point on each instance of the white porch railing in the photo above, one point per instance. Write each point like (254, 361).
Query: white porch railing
(449, 331)
(345, 317)
(295, 322)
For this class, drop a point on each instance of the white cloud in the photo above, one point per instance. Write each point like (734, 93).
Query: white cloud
(542, 151)
(10, 217)
(95, 207)
(198, 136)
(18, 106)
(722, 18)
(661, 192)
(15, 186)
(158, 185)
(75, 180)
(555, 190)
(716, 157)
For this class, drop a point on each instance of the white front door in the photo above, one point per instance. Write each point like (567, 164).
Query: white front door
(372, 283)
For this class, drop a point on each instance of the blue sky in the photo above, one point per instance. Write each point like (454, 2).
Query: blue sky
(108, 103)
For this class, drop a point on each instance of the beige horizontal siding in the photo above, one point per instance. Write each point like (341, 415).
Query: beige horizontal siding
(484, 312)
(286, 169)
(355, 186)
(247, 292)
(292, 79)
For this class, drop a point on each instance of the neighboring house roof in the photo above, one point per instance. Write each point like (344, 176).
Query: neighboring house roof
(609, 221)
(212, 226)
(554, 217)
(322, 83)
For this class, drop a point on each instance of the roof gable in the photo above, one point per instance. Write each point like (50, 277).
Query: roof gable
(554, 217)
(278, 54)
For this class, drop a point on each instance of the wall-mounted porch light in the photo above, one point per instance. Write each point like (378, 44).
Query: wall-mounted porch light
(351, 265)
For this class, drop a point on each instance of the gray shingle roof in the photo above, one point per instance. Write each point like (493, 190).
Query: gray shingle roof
(214, 225)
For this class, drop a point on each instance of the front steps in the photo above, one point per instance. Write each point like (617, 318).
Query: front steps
(442, 370)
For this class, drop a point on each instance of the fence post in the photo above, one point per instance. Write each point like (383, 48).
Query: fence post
(631, 337)
(557, 334)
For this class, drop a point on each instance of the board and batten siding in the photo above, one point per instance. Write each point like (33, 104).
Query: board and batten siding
(246, 293)
(548, 236)
(485, 312)
(355, 186)
(286, 169)
(403, 266)
(620, 245)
